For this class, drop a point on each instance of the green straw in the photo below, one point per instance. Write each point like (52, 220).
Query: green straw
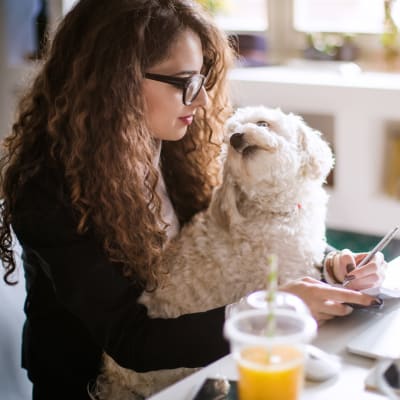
(272, 286)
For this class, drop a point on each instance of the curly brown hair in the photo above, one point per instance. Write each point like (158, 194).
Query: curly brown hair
(84, 111)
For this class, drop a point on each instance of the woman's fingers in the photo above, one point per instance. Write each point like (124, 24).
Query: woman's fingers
(378, 257)
(321, 318)
(344, 295)
(365, 277)
(331, 309)
(325, 301)
(363, 283)
(309, 279)
(369, 275)
(371, 268)
(343, 264)
(335, 308)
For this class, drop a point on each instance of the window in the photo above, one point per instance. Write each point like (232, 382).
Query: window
(348, 16)
(67, 5)
(232, 15)
(242, 16)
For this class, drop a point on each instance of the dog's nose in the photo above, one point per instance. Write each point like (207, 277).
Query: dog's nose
(237, 140)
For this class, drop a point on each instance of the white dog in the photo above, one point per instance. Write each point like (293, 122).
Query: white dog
(271, 201)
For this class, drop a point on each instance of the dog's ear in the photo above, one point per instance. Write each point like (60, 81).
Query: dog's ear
(223, 205)
(317, 155)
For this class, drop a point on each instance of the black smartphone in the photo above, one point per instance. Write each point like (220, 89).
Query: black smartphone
(392, 375)
(378, 305)
(217, 389)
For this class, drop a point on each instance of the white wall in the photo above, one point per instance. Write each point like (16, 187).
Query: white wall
(14, 383)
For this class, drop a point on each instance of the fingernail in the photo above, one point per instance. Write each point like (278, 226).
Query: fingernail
(349, 267)
(349, 277)
(349, 309)
(377, 302)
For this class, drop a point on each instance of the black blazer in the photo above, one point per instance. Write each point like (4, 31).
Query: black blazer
(78, 303)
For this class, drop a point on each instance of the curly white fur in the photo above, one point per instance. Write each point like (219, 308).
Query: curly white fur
(271, 200)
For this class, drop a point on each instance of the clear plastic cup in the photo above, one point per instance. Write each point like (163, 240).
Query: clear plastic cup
(270, 366)
(258, 301)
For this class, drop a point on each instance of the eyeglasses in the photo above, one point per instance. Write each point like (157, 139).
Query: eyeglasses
(191, 86)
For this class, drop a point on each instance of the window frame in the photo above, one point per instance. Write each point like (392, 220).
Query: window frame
(285, 42)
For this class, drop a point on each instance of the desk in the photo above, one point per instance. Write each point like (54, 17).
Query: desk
(332, 337)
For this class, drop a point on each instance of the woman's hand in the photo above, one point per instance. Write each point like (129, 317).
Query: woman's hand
(369, 275)
(325, 301)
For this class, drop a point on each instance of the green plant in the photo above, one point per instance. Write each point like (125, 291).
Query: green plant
(212, 5)
(390, 32)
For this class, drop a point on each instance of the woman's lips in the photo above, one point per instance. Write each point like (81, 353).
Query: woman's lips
(187, 119)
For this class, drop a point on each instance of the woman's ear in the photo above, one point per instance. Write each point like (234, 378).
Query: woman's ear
(317, 155)
(223, 206)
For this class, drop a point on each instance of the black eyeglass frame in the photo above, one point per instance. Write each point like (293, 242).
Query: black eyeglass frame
(180, 83)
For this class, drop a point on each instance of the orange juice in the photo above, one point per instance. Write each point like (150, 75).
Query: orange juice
(270, 374)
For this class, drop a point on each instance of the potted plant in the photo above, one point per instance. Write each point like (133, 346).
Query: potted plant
(390, 33)
(213, 6)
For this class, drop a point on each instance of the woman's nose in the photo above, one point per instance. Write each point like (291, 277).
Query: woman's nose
(202, 98)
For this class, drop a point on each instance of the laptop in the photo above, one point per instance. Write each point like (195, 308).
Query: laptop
(379, 340)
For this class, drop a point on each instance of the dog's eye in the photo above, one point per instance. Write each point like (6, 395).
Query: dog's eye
(265, 124)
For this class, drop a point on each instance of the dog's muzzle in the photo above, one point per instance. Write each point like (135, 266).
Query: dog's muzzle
(238, 142)
(241, 145)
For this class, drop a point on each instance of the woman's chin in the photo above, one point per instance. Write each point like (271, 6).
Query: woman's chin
(171, 136)
(177, 135)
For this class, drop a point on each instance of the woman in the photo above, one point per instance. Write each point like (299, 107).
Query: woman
(114, 148)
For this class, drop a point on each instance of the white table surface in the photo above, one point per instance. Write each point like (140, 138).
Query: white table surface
(332, 337)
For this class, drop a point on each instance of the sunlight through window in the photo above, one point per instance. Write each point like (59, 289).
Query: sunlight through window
(349, 16)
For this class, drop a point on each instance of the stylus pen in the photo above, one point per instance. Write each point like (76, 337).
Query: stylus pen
(379, 247)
